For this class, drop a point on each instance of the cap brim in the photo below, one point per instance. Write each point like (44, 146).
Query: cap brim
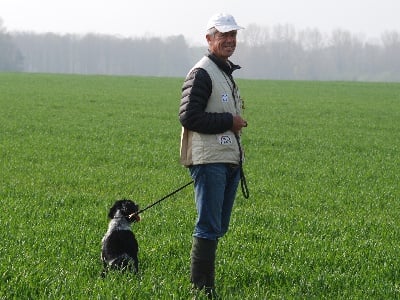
(228, 28)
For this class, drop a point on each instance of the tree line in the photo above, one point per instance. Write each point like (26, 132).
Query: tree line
(283, 53)
(278, 52)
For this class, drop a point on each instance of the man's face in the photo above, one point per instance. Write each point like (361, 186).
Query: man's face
(221, 44)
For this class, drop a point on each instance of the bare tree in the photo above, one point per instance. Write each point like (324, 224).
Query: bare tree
(391, 58)
(311, 39)
(10, 56)
(255, 35)
(284, 32)
(391, 39)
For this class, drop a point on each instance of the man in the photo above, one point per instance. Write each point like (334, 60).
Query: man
(210, 114)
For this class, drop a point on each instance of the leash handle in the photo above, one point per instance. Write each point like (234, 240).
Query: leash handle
(243, 182)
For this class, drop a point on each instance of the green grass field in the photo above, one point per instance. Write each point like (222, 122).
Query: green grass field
(322, 165)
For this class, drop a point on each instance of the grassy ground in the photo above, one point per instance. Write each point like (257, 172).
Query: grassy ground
(322, 167)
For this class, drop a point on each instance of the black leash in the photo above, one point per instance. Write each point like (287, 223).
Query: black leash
(162, 199)
(243, 182)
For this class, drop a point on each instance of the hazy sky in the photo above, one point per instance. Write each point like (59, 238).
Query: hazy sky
(137, 18)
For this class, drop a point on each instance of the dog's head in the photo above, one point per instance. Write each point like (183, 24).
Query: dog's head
(125, 209)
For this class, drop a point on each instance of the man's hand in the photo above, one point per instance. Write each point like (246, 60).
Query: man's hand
(238, 124)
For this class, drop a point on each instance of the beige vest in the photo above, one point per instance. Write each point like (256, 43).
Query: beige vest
(198, 148)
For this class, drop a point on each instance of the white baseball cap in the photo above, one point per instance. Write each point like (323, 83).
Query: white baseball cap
(223, 23)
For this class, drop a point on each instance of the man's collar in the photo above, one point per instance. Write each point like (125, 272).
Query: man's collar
(227, 66)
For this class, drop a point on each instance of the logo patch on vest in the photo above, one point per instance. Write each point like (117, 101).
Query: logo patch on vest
(224, 139)
(224, 98)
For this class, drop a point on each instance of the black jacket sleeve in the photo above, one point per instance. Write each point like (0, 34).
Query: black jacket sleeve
(196, 91)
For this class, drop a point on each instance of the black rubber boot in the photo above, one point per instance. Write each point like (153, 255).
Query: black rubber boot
(202, 271)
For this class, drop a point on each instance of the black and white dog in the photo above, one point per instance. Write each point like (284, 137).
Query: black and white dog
(119, 246)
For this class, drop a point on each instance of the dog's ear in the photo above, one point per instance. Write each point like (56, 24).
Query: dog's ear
(114, 209)
(111, 212)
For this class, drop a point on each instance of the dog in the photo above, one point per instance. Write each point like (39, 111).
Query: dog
(120, 248)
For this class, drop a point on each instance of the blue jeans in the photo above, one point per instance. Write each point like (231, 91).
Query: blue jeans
(215, 188)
